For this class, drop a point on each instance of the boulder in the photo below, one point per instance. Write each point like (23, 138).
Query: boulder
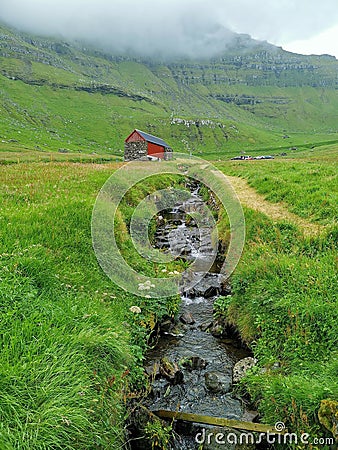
(187, 318)
(217, 382)
(241, 368)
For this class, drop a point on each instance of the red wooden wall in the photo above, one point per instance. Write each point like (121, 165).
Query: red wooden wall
(157, 150)
(135, 137)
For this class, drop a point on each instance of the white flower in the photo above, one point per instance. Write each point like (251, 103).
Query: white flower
(164, 270)
(135, 309)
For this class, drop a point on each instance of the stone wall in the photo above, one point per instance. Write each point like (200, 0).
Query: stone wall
(135, 150)
(168, 154)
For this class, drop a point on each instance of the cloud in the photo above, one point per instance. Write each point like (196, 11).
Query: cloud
(171, 27)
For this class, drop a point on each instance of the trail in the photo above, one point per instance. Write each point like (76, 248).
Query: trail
(276, 211)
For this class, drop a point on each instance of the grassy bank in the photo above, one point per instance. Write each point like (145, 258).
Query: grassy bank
(284, 300)
(71, 350)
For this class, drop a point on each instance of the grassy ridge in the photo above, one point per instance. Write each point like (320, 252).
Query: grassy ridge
(71, 350)
(285, 295)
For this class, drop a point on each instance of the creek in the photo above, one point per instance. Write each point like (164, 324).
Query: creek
(191, 366)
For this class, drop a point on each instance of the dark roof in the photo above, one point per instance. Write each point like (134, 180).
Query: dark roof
(153, 139)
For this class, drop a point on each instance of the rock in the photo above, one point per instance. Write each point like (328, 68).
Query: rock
(250, 416)
(217, 382)
(171, 371)
(205, 326)
(166, 325)
(241, 368)
(194, 363)
(217, 328)
(328, 416)
(210, 285)
(187, 318)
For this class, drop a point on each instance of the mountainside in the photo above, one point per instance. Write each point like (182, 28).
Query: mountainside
(62, 96)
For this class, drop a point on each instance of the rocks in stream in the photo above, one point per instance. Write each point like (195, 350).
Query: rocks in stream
(209, 286)
(193, 363)
(171, 371)
(187, 318)
(217, 382)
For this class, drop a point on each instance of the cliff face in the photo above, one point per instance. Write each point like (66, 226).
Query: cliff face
(254, 84)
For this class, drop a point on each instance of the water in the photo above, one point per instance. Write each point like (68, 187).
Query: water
(203, 362)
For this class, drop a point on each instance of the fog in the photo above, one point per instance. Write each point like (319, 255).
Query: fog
(171, 27)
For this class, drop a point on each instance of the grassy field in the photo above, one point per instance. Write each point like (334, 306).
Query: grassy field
(306, 182)
(284, 300)
(71, 350)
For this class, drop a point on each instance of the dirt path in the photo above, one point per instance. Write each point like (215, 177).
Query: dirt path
(276, 211)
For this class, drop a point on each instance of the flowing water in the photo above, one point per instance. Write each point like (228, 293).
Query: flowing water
(191, 368)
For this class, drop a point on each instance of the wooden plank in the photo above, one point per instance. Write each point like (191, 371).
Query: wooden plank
(218, 421)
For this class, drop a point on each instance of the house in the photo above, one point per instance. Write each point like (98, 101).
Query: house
(141, 145)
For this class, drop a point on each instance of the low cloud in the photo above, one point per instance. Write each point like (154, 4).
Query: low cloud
(172, 27)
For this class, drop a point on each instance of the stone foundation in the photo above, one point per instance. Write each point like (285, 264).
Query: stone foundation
(139, 150)
(135, 150)
(168, 154)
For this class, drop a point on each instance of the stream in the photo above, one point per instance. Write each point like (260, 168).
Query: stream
(191, 366)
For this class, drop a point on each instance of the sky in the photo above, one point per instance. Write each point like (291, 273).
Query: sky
(180, 27)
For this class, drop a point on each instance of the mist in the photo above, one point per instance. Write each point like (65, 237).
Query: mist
(169, 28)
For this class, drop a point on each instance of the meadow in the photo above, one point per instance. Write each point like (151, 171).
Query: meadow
(71, 349)
(284, 300)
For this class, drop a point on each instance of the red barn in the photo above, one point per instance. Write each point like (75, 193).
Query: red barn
(140, 145)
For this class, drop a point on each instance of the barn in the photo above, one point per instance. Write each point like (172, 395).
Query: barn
(141, 145)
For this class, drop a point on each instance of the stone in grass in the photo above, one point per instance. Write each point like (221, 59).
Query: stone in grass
(241, 367)
(153, 370)
(217, 382)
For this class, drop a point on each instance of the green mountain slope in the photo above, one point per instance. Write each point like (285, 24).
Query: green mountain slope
(61, 96)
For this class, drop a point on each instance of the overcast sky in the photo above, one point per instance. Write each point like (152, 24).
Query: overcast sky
(192, 27)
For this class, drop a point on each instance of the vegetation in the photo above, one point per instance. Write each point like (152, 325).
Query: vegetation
(306, 183)
(284, 300)
(72, 343)
(62, 97)
(71, 349)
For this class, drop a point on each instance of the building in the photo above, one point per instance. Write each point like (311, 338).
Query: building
(141, 145)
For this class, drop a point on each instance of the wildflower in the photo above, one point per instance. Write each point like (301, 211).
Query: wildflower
(135, 309)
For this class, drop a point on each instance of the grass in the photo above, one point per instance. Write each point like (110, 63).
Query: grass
(284, 300)
(307, 184)
(71, 350)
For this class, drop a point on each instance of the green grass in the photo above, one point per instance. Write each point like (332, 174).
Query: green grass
(71, 351)
(284, 300)
(307, 183)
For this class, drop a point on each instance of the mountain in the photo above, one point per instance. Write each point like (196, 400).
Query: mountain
(65, 96)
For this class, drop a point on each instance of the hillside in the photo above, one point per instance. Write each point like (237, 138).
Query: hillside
(65, 97)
